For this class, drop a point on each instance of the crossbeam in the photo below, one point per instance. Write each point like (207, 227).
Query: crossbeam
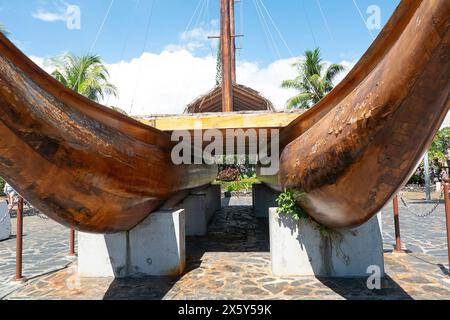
(205, 121)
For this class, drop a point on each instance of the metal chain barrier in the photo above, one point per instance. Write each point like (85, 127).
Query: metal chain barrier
(426, 214)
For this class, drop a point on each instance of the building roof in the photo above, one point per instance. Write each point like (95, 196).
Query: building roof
(244, 99)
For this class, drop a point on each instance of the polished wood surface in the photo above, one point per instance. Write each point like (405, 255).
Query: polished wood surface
(351, 153)
(235, 120)
(244, 99)
(82, 164)
(225, 46)
(92, 168)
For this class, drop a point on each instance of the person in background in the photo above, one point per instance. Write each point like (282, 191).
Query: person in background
(10, 193)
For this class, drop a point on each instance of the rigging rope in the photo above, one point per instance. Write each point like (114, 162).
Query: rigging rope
(200, 2)
(127, 39)
(277, 29)
(147, 33)
(325, 20)
(268, 33)
(242, 27)
(94, 43)
(362, 18)
(308, 21)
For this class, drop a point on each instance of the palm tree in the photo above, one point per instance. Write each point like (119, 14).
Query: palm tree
(3, 29)
(84, 74)
(312, 82)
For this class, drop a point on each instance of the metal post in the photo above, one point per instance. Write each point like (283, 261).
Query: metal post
(19, 234)
(447, 215)
(398, 241)
(72, 242)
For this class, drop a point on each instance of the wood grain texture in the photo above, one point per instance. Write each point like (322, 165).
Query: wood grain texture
(82, 164)
(350, 154)
(92, 168)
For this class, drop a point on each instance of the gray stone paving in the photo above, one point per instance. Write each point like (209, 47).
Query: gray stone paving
(45, 249)
(46, 246)
(420, 235)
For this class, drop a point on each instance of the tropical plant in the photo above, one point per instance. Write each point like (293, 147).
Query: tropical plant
(84, 74)
(313, 82)
(288, 205)
(3, 29)
(440, 147)
(438, 157)
(120, 110)
(219, 66)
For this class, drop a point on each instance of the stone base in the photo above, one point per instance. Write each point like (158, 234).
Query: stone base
(263, 199)
(298, 249)
(199, 208)
(156, 247)
(5, 221)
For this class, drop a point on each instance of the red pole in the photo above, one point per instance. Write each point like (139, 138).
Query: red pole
(398, 241)
(237, 185)
(19, 233)
(72, 242)
(447, 215)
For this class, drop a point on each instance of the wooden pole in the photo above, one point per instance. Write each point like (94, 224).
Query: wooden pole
(72, 242)
(447, 215)
(225, 40)
(398, 242)
(233, 41)
(19, 233)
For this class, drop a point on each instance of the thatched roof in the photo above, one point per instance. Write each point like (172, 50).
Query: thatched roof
(244, 99)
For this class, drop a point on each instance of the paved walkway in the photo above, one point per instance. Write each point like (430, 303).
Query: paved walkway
(423, 235)
(233, 262)
(45, 246)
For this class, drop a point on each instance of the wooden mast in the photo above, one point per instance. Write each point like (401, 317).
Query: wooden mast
(233, 42)
(225, 46)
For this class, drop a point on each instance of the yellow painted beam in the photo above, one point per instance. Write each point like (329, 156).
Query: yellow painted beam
(241, 120)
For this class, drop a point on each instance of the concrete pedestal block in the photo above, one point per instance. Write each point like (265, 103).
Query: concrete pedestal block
(298, 249)
(5, 221)
(199, 208)
(156, 247)
(264, 198)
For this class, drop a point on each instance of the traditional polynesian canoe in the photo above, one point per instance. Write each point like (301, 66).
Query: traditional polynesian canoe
(94, 169)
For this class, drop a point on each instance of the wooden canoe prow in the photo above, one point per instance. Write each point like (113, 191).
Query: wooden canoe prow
(94, 169)
(350, 154)
(83, 164)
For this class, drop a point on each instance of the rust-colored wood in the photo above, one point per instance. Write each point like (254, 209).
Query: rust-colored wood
(92, 168)
(235, 120)
(19, 240)
(447, 215)
(348, 155)
(84, 165)
(398, 240)
(225, 40)
(233, 41)
(72, 242)
(244, 99)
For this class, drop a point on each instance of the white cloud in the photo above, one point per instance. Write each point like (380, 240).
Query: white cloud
(165, 83)
(49, 16)
(196, 39)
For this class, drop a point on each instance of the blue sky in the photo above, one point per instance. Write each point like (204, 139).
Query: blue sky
(345, 37)
(177, 62)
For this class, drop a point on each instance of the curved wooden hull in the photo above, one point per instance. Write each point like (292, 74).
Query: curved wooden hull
(352, 152)
(82, 164)
(99, 171)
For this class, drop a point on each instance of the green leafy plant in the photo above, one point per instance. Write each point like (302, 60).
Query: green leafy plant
(314, 81)
(231, 187)
(288, 205)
